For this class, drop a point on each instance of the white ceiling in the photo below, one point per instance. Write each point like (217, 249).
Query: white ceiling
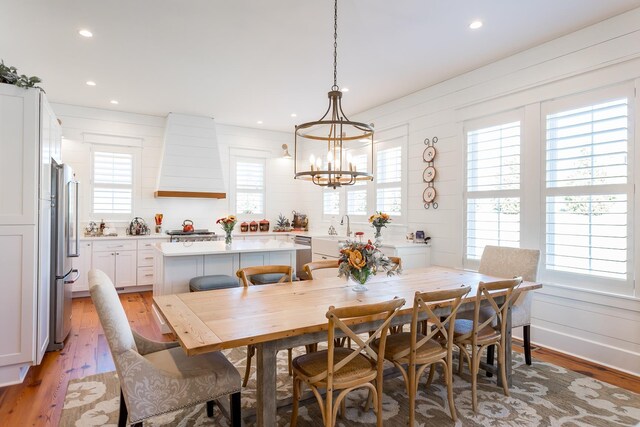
(247, 60)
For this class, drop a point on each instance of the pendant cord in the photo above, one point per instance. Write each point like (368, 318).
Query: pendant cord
(335, 47)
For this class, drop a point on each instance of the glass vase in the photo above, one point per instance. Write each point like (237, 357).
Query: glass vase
(356, 286)
(378, 234)
(228, 238)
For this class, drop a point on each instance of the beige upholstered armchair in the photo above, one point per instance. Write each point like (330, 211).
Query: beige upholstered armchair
(511, 262)
(155, 377)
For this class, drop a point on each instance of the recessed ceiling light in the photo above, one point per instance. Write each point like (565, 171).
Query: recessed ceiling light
(114, 102)
(91, 83)
(294, 115)
(475, 25)
(85, 33)
(259, 122)
(345, 89)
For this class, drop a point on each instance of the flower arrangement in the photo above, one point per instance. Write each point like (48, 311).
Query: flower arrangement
(379, 220)
(359, 261)
(227, 223)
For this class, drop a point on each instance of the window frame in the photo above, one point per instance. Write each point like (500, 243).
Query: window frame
(497, 119)
(135, 180)
(383, 139)
(234, 157)
(575, 101)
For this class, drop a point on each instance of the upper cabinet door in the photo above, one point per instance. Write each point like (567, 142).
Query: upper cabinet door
(19, 132)
(50, 145)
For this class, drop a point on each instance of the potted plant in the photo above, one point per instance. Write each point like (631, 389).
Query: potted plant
(10, 76)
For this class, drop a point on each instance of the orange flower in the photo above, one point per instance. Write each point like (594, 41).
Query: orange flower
(356, 260)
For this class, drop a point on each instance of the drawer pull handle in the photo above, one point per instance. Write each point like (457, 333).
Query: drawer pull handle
(148, 275)
(117, 246)
(148, 257)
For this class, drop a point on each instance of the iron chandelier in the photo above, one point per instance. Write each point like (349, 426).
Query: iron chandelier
(329, 152)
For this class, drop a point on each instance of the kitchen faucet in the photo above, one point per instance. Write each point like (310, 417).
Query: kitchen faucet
(348, 224)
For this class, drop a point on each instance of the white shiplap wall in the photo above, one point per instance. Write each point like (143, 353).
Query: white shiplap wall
(597, 326)
(150, 129)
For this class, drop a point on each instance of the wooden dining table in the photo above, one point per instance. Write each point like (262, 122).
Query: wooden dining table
(280, 316)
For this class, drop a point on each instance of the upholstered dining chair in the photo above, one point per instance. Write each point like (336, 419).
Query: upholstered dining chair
(158, 377)
(473, 336)
(513, 262)
(346, 369)
(310, 267)
(277, 273)
(418, 351)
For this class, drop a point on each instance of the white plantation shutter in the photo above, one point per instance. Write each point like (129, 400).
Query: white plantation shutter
(587, 190)
(112, 183)
(250, 186)
(357, 202)
(356, 195)
(493, 188)
(388, 180)
(331, 202)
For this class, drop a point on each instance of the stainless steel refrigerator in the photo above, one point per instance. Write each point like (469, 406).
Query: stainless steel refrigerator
(64, 247)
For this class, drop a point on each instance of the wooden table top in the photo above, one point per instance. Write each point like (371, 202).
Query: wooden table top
(228, 318)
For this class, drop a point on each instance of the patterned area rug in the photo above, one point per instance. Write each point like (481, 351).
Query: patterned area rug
(541, 395)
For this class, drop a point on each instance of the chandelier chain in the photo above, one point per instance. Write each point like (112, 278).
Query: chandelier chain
(335, 46)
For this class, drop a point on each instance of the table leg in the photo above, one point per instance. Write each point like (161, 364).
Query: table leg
(507, 350)
(266, 384)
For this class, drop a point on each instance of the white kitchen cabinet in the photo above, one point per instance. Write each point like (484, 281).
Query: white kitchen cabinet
(128, 262)
(82, 263)
(17, 346)
(105, 262)
(29, 137)
(126, 269)
(321, 257)
(118, 260)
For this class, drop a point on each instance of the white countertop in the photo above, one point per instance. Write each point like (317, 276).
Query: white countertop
(126, 237)
(218, 247)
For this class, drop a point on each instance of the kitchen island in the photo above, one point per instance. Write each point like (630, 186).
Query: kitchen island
(179, 262)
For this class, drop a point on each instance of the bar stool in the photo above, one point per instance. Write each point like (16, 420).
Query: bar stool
(211, 282)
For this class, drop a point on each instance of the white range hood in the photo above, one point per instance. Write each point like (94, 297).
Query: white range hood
(191, 165)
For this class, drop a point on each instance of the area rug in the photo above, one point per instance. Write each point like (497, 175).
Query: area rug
(541, 395)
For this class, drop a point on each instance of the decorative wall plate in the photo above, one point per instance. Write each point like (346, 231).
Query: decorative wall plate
(429, 174)
(429, 194)
(429, 153)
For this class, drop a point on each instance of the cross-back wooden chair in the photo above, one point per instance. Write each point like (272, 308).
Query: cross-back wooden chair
(397, 261)
(310, 267)
(346, 369)
(480, 333)
(245, 275)
(419, 351)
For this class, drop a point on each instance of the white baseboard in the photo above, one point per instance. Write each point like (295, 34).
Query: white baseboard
(613, 357)
(13, 374)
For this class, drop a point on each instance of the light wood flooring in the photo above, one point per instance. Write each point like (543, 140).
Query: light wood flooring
(38, 400)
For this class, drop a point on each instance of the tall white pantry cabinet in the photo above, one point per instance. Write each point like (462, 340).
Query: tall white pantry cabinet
(30, 136)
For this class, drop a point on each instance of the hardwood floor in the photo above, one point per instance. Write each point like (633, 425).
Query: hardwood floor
(38, 401)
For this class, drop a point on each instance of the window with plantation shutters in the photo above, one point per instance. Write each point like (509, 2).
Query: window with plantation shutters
(492, 186)
(587, 188)
(389, 180)
(249, 186)
(331, 202)
(356, 195)
(112, 182)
